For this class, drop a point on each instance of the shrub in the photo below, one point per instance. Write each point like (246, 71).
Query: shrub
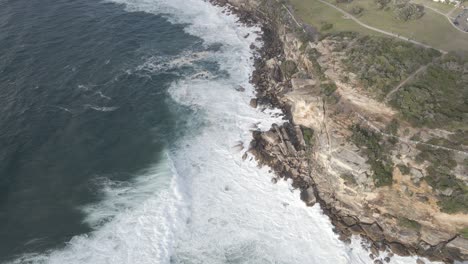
(348, 179)
(381, 4)
(408, 11)
(405, 170)
(392, 127)
(288, 68)
(464, 232)
(357, 11)
(408, 223)
(328, 88)
(326, 26)
(308, 135)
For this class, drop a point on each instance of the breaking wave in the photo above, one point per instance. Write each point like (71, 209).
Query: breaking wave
(203, 203)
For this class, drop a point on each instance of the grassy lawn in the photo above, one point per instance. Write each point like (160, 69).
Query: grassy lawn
(432, 29)
(315, 13)
(444, 8)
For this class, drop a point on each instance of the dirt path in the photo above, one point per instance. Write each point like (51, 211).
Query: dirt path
(389, 95)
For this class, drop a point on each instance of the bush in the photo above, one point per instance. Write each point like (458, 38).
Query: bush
(328, 88)
(313, 56)
(326, 26)
(308, 135)
(357, 11)
(408, 11)
(457, 203)
(405, 170)
(392, 127)
(288, 68)
(408, 223)
(348, 179)
(381, 4)
(464, 232)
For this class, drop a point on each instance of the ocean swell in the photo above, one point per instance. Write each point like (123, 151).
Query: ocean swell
(205, 203)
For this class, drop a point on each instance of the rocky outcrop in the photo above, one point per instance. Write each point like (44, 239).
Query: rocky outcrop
(314, 149)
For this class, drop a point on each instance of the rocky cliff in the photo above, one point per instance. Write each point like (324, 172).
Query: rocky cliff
(342, 148)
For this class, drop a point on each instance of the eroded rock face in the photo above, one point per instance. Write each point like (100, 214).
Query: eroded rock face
(331, 170)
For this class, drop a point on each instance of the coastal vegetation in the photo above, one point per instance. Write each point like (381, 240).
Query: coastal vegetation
(464, 232)
(437, 97)
(381, 63)
(454, 192)
(308, 135)
(408, 223)
(288, 68)
(404, 10)
(377, 152)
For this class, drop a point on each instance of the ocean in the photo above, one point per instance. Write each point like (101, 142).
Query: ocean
(122, 131)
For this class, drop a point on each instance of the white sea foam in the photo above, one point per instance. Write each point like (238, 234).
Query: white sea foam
(164, 63)
(103, 95)
(210, 206)
(102, 108)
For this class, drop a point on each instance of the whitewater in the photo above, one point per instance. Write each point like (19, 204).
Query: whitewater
(204, 203)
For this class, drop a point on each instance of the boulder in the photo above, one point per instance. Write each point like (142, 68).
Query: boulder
(373, 231)
(270, 137)
(458, 247)
(253, 102)
(399, 249)
(416, 175)
(308, 196)
(349, 220)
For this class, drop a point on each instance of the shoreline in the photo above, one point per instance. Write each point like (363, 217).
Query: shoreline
(291, 159)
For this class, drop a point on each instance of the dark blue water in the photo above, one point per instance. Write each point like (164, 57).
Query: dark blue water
(74, 108)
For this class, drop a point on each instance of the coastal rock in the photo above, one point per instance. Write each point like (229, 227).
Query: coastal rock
(373, 231)
(458, 248)
(253, 102)
(434, 237)
(416, 175)
(399, 249)
(308, 196)
(331, 170)
(349, 221)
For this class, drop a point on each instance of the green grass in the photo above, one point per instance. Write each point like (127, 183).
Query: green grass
(444, 8)
(433, 29)
(317, 14)
(464, 232)
(408, 223)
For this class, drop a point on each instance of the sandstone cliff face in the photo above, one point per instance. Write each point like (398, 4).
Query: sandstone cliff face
(315, 149)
